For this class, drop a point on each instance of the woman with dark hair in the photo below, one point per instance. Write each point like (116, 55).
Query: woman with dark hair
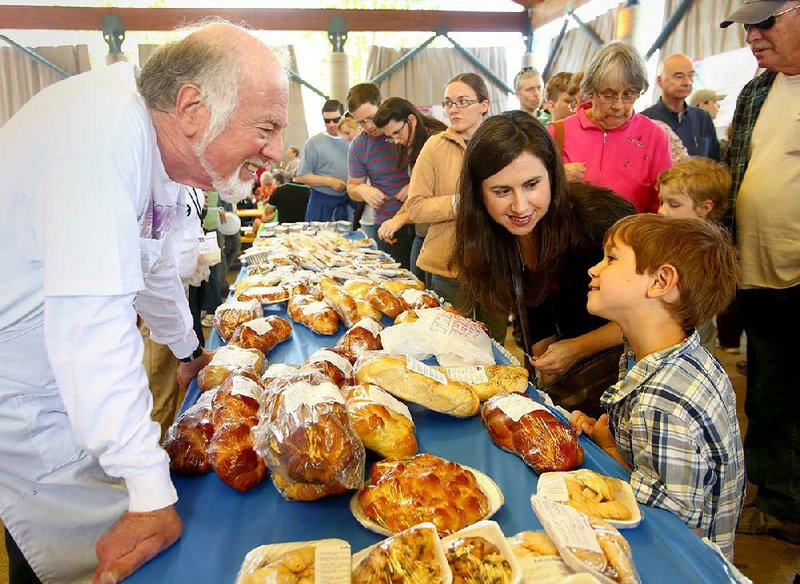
(409, 128)
(525, 239)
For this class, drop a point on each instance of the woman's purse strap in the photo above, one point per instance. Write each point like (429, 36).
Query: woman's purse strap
(558, 128)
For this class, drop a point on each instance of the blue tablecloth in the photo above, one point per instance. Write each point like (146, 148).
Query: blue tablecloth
(220, 525)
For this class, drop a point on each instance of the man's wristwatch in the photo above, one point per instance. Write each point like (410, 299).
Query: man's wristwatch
(195, 354)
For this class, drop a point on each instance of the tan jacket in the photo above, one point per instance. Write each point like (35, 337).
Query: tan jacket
(431, 193)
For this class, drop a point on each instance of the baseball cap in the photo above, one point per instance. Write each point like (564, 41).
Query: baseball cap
(752, 12)
(704, 95)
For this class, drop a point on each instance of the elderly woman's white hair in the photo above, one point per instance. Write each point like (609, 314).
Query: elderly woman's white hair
(266, 178)
(616, 61)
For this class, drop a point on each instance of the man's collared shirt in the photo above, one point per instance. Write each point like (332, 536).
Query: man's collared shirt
(693, 126)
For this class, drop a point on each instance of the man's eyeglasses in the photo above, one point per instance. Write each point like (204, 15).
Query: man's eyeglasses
(366, 122)
(768, 23)
(332, 120)
(396, 134)
(610, 98)
(459, 103)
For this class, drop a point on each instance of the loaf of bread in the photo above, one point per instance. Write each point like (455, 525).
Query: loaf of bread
(489, 380)
(231, 314)
(333, 364)
(383, 423)
(366, 310)
(226, 360)
(337, 298)
(518, 424)
(264, 294)
(261, 333)
(314, 314)
(187, 439)
(416, 299)
(412, 316)
(393, 374)
(358, 288)
(294, 491)
(363, 336)
(385, 301)
(397, 286)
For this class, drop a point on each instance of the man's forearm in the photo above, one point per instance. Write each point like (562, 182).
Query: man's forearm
(314, 180)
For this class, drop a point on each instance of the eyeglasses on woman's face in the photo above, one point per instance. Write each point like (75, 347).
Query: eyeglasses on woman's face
(768, 23)
(459, 103)
(396, 134)
(608, 97)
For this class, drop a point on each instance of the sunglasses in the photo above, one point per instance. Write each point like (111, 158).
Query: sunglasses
(332, 120)
(768, 23)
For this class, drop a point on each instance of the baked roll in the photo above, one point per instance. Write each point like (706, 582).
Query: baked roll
(383, 423)
(333, 364)
(396, 287)
(337, 298)
(358, 288)
(385, 301)
(187, 439)
(366, 310)
(264, 294)
(231, 314)
(227, 360)
(363, 336)
(518, 424)
(261, 333)
(416, 299)
(314, 314)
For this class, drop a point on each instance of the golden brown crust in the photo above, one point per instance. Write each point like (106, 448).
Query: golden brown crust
(385, 301)
(357, 340)
(308, 311)
(381, 429)
(338, 299)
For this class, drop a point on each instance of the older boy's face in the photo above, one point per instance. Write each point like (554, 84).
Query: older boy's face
(674, 203)
(615, 289)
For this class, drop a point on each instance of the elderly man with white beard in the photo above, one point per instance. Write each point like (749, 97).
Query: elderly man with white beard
(85, 490)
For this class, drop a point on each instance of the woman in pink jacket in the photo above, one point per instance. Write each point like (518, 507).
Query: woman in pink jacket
(606, 143)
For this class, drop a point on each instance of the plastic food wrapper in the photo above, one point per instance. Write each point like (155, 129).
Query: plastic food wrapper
(386, 302)
(414, 555)
(480, 554)
(231, 314)
(305, 435)
(419, 299)
(325, 561)
(342, 302)
(262, 333)
(265, 294)
(455, 340)
(520, 425)
(383, 423)
(333, 364)
(314, 314)
(187, 439)
(592, 494)
(587, 544)
(363, 336)
(539, 559)
(402, 493)
(227, 360)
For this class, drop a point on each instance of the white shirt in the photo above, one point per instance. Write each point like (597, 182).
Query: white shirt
(90, 230)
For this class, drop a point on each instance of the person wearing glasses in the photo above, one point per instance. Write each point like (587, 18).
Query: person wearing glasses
(693, 126)
(606, 143)
(409, 128)
(764, 216)
(433, 195)
(324, 169)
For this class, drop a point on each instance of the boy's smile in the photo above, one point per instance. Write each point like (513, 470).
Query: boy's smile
(616, 289)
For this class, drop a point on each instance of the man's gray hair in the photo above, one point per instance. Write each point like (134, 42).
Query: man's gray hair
(525, 73)
(616, 60)
(216, 70)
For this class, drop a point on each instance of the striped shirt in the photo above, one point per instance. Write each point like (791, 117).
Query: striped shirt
(375, 159)
(673, 416)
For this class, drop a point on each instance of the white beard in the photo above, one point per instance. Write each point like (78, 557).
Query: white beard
(231, 189)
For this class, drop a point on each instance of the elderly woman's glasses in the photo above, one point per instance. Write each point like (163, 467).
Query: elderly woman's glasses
(610, 97)
(459, 103)
(768, 23)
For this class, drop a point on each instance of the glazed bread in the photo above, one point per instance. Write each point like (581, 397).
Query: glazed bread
(384, 424)
(365, 335)
(227, 360)
(314, 314)
(261, 333)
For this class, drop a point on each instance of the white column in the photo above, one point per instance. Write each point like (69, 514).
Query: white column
(340, 77)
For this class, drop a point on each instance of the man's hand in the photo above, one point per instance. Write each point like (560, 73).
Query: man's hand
(388, 228)
(134, 540)
(558, 357)
(188, 371)
(372, 196)
(337, 184)
(402, 195)
(575, 171)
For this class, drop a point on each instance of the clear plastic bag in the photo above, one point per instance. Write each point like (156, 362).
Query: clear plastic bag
(231, 314)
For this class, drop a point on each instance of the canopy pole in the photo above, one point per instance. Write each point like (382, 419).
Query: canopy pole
(590, 32)
(402, 61)
(481, 67)
(669, 27)
(554, 49)
(36, 57)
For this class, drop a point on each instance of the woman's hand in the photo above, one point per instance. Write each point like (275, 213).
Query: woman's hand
(558, 357)
(388, 228)
(581, 423)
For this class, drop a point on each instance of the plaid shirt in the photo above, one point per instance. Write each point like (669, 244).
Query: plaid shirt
(673, 416)
(748, 106)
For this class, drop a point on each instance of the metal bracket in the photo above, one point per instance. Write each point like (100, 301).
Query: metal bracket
(113, 33)
(337, 33)
(528, 34)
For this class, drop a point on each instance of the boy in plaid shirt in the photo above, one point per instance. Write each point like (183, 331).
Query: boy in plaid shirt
(671, 418)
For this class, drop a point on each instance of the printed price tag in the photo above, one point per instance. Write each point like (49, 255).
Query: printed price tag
(552, 487)
(471, 375)
(517, 405)
(332, 563)
(419, 367)
(565, 526)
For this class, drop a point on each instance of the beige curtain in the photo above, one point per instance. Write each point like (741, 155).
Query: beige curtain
(577, 49)
(422, 79)
(698, 34)
(21, 77)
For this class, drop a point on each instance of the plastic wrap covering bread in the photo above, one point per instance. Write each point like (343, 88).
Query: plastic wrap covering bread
(455, 341)
(305, 435)
(415, 555)
(479, 554)
(333, 364)
(402, 493)
(337, 298)
(587, 544)
(265, 294)
(297, 287)
(366, 310)
(539, 560)
(412, 380)
(385, 301)
(277, 370)
(363, 336)
(257, 280)
(358, 288)
(227, 360)
(306, 562)
(593, 494)
(489, 380)
(418, 299)
(234, 412)
(412, 316)
(187, 439)
(396, 287)
(294, 491)
(261, 333)
(518, 424)
(383, 423)
(314, 314)
(231, 314)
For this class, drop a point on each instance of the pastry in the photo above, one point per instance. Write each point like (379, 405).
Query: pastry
(314, 314)
(476, 560)
(337, 298)
(489, 380)
(408, 557)
(231, 314)
(385, 301)
(227, 360)
(261, 333)
(187, 439)
(383, 423)
(363, 336)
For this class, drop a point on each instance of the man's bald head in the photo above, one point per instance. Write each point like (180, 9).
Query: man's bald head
(675, 78)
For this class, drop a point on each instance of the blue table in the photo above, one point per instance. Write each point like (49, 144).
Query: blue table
(220, 525)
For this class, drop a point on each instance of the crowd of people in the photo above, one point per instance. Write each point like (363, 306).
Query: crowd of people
(572, 214)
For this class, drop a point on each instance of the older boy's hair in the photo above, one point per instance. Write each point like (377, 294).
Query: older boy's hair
(556, 85)
(361, 94)
(701, 253)
(702, 179)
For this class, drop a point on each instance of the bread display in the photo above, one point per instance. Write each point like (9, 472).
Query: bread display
(489, 380)
(306, 562)
(333, 364)
(402, 493)
(226, 360)
(314, 314)
(518, 424)
(414, 555)
(385, 301)
(413, 381)
(187, 439)
(383, 423)
(261, 333)
(337, 298)
(363, 336)
(231, 314)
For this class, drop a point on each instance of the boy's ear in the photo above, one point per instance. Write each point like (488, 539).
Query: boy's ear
(704, 208)
(192, 114)
(664, 283)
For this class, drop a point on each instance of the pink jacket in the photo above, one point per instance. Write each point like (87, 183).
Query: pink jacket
(627, 160)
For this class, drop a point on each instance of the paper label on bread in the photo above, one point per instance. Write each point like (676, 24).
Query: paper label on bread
(370, 325)
(305, 394)
(471, 375)
(333, 358)
(314, 307)
(260, 326)
(245, 386)
(419, 367)
(383, 398)
(324, 561)
(516, 405)
(567, 527)
(552, 487)
(232, 356)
